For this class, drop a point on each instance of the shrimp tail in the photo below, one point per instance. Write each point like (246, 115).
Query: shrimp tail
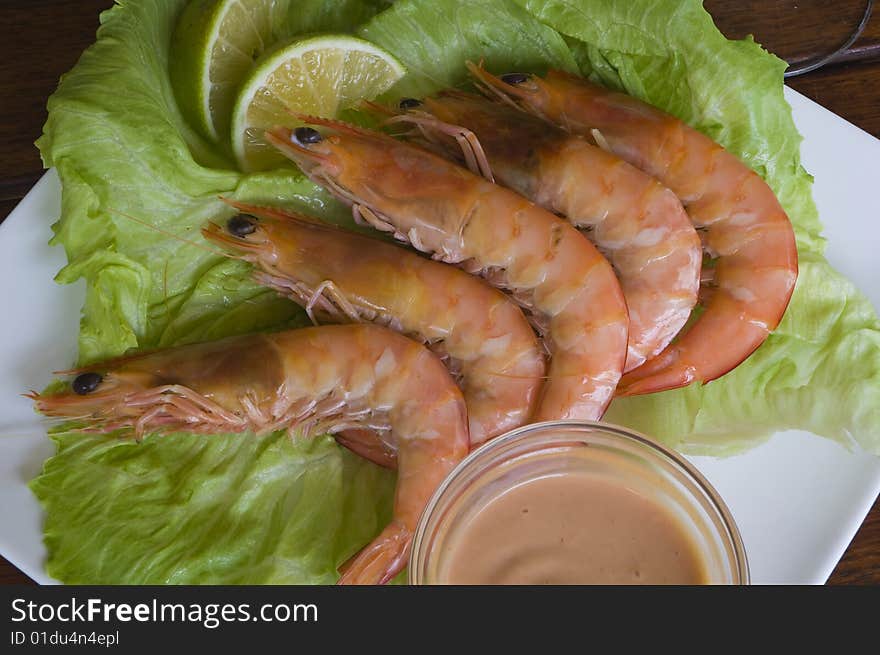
(381, 560)
(364, 444)
(695, 357)
(663, 372)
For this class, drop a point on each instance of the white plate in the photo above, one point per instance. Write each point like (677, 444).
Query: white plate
(798, 499)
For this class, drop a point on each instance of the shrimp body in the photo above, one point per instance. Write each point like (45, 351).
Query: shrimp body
(634, 220)
(314, 380)
(462, 218)
(741, 221)
(340, 276)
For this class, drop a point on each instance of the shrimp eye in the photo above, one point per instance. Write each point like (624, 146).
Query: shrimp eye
(514, 78)
(409, 103)
(86, 383)
(241, 225)
(306, 135)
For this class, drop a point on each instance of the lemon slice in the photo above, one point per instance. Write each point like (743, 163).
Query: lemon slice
(321, 75)
(214, 47)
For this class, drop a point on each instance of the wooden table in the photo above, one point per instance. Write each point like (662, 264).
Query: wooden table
(44, 38)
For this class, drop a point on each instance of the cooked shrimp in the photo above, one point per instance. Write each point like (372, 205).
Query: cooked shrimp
(340, 276)
(462, 218)
(314, 380)
(634, 220)
(742, 223)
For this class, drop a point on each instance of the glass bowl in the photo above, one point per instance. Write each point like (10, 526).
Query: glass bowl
(606, 452)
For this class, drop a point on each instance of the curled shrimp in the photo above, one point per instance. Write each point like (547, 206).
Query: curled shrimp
(634, 220)
(314, 380)
(339, 276)
(461, 218)
(741, 221)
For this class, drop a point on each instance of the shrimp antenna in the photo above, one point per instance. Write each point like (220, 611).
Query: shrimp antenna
(456, 93)
(280, 137)
(266, 211)
(471, 149)
(376, 108)
(338, 125)
(167, 233)
(491, 87)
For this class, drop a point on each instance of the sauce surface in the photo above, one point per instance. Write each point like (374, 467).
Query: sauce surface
(573, 529)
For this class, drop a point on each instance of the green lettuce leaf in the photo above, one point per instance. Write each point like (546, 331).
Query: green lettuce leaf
(220, 510)
(138, 182)
(434, 40)
(332, 15)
